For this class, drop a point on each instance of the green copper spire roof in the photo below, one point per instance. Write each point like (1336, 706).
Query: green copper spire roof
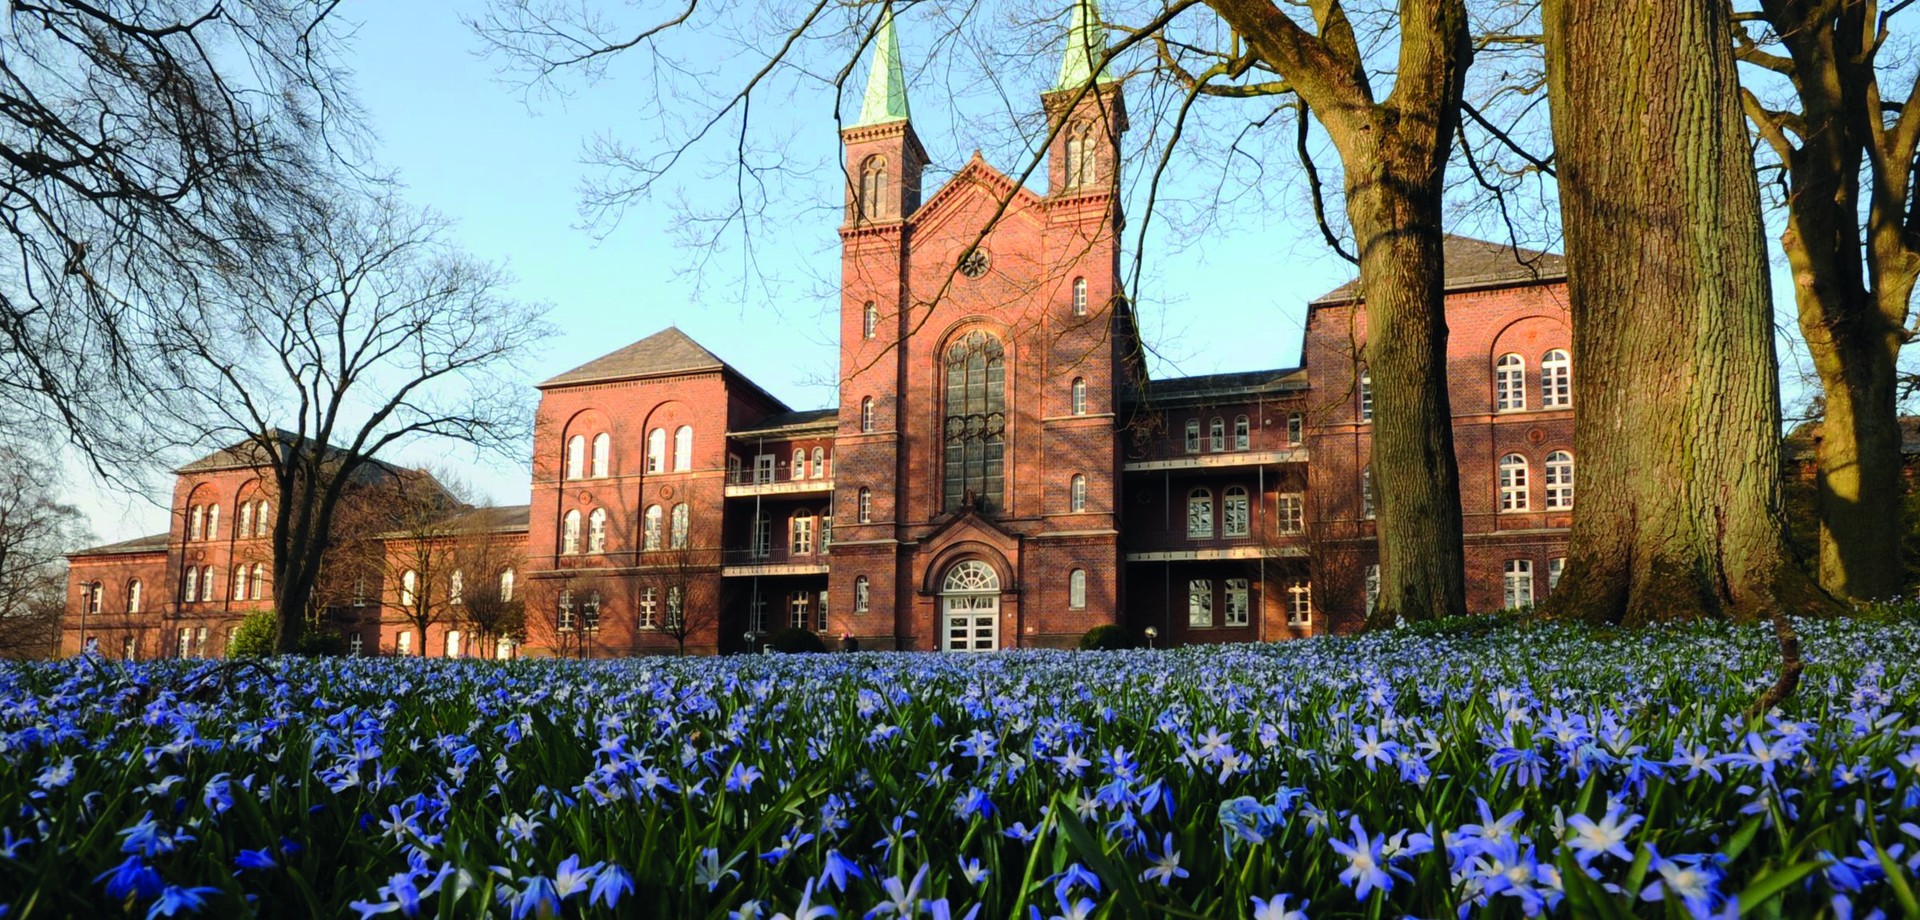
(1086, 46)
(886, 98)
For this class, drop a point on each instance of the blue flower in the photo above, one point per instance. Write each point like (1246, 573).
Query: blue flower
(609, 883)
(1167, 867)
(838, 869)
(174, 899)
(255, 859)
(1365, 871)
(131, 878)
(1276, 909)
(1607, 836)
(536, 898)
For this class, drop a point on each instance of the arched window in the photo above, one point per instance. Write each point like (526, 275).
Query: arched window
(577, 457)
(800, 533)
(1217, 434)
(799, 463)
(597, 531)
(409, 580)
(873, 188)
(1079, 296)
(819, 462)
(570, 533)
(1366, 395)
(1296, 429)
(262, 519)
(1077, 494)
(1513, 483)
(656, 450)
(213, 523)
(506, 585)
(866, 413)
(1079, 392)
(1559, 480)
(975, 429)
(681, 523)
(196, 522)
(862, 595)
(1556, 380)
(654, 518)
(1242, 433)
(675, 608)
(453, 643)
(1076, 154)
(456, 587)
(190, 586)
(865, 510)
(258, 589)
(244, 526)
(135, 598)
(602, 453)
(1235, 512)
(683, 447)
(206, 584)
(1077, 589)
(239, 582)
(1510, 383)
(869, 321)
(1193, 435)
(1200, 515)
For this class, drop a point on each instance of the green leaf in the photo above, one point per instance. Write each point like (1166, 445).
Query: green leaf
(1089, 848)
(1741, 839)
(1771, 884)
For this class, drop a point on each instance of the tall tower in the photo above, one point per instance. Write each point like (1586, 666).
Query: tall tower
(1086, 112)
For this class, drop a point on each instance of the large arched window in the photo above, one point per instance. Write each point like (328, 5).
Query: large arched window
(1556, 380)
(1079, 396)
(1559, 481)
(577, 456)
(976, 421)
(654, 517)
(869, 320)
(1510, 383)
(1077, 493)
(243, 527)
(682, 521)
(602, 454)
(873, 188)
(1200, 515)
(597, 531)
(570, 533)
(1236, 512)
(1513, 483)
(656, 450)
(683, 447)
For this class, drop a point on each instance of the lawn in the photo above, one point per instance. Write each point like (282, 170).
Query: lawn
(1494, 771)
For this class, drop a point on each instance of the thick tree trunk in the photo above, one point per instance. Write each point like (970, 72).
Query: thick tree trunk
(1678, 425)
(1860, 490)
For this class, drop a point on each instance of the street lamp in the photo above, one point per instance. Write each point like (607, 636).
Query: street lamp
(1151, 634)
(748, 636)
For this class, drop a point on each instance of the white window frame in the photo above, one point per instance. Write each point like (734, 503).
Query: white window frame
(1077, 589)
(597, 531)
(1236, 512)
(762, 545)
(1079, 296)
(1366, 395)
(862, 594)
(657, 450)
(563, 612)
(864, 505)
(866, 414)
(764, 466)
(576, 457)
(1510, 383)
(506, 585)
(1366, 492)
(1299, 602)
(800, 534)
(409, 582)
(1217, 434)
(1242, 433)
(1077, 493)
(1077, 396)
(1200, 514)
(213, 522)
(649, 606)
(1556, 380)
(403, 643)
(819, 470)
(799, 609)
(1555, 567)
(1513, 476)
(602, 454)
(1517, 582)
(1193, 435)
(1239, 602)
(1200, 603)
(799, 469)
(680, 526)
(1290, 513)
(869, 321)
(1296, 429)
(1559, 480)
(570, 533)
(655, 518)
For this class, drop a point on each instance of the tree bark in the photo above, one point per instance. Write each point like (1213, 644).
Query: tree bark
(1678, 423)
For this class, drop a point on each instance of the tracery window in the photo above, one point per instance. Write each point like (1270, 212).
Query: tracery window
(975, 429)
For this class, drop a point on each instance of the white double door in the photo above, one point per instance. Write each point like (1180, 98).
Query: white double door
(972, 623)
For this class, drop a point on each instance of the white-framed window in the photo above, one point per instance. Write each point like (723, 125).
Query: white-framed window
(129, 648)
(1217, 434)
(1193, 435)
(819, 463)
(800, 534)
(657, 450)
(1518, 582)
(190, 586)
(1290, 513)
(95, 593)
(1510, 383)
(763, 467)
(1239, 602)
(1299, 602)
(262, 519)
(196, 522)
(865, 509)
(243, 526)
(185, 642)
(1077, 493)
(590, 612)
(570, 533)
(403, 643)
(597, 531)
(355, 644)
(682, 526)
(360, 590)
(869, 321)
(602, 454)
(1366, 395)
(1077, 589)
(866, 413)
(213, 522)
(135, 598)
(862, 595)
(409, 580)
(1236, 512)
(826, 533)
(1200, 602)
(1513, 483)
(563, 612)
(1242, 433)
(820, 614)
(577, 457)
(1296, 429)
(1373, 587)
(239, 583)
(1200, 515)
(1079, 296)
(676, 608)
(456, 587)
(1078, 392)
(799, 470)
(206, 584)
(655, 516)
(762, 535)
(1556, 380)
(1366, 491)
(257, 590)
(1559, 480)
(453, 643)
(1555, 566)
(649, 607)
(506, 585)
(799, 609)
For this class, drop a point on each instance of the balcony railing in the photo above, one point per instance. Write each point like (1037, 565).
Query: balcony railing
(772, 561)
(1223, 459)
(777, 481)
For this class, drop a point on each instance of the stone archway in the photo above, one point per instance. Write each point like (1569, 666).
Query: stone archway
(970, 608)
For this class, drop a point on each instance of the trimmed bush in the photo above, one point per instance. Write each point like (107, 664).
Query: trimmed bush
(1106, 638)
(794, 640)
(256, 635)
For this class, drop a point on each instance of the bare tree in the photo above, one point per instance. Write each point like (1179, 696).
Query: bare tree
(419, 547)
(490, 552)
(680, 585)
(35, 533)
(141, 146)
(365, 331)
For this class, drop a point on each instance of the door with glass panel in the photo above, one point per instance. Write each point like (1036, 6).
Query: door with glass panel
(970, 608)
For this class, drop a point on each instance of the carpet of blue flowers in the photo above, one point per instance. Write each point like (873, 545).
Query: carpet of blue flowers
(1501, 772)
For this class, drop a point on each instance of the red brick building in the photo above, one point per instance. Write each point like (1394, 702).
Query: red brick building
(1001, 471)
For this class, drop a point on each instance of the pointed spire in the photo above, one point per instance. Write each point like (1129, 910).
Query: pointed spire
(886, 98)
(1086, 47)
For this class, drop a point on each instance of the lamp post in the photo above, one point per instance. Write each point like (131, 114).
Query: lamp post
(1151, 634)
(748, 636)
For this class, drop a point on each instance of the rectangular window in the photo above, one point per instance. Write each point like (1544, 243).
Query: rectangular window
(1238, 601)
(649, 607)
(563, 614)
(1077, 589)
(185, 647)
(1193, 436)
(1519, 583)
(801, 543)
(820, 617)
(1296, 430)
(826, 533)
(759, 614)
(1292, 513)
(1242, 433)
(1200, 602)
(1366, 396)
(762, 536)
(763, 468)
(1235, 513)
(798, 605)
(1373, 588)
(1554, 567)
(1299, 602)
(1200, 515)
(1366, 492)
(404, 643)
(1217, 435)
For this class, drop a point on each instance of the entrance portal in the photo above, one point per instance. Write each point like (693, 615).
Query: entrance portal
(970, 608)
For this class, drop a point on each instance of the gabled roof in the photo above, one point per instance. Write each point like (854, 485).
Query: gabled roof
(790, 423)
(1234, 385)
(156, 543)
(668, 351)
(498, 518)
(251, 454)
(976, 173)
(1472, 264)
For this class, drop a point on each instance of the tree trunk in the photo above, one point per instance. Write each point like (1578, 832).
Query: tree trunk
(1860, 494)
(1678, 423)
